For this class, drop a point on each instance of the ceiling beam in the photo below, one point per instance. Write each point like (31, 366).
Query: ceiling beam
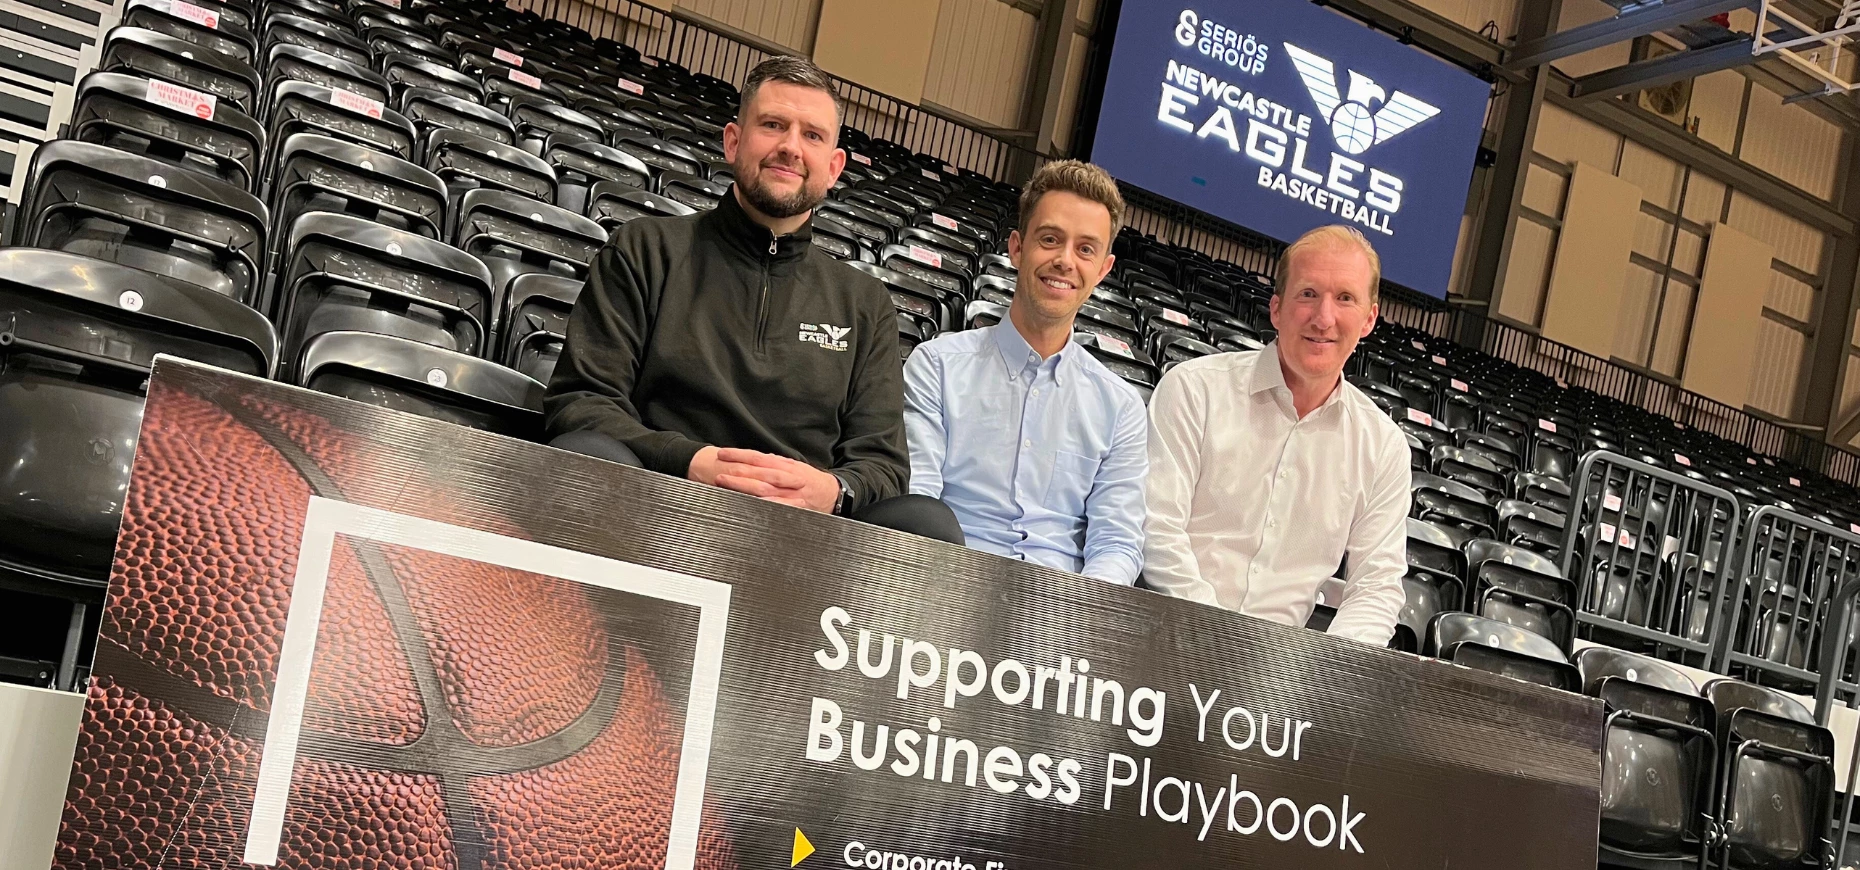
(1426, 29)
(1637, 21)
(1656, 71)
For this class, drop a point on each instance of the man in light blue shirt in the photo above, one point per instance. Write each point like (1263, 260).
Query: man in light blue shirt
(1039, 449)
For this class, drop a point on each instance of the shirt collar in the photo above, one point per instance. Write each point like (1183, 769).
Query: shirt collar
(1018, 355)
(1268, 376)
(742, 232)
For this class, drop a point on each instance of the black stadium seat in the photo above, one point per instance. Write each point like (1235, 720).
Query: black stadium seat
(580, 165)
(431, 110)
(305, 107)
(535, 319)
(403, 375)
(289, 62)
(318, 173)
(93, 200)
(612, 204)
(1658, 760)
(407, 71)
(1490, 645)
(223, 37)
(80, 339)
(467, 162)
(144, 52)
(344, 273)
(175, 125)
(516, 236)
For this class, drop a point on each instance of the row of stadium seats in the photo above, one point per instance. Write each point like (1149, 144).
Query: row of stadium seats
(399, 206)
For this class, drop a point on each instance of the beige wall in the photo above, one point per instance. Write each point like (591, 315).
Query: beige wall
(981, 60)
(1730, 308)
(787, 23)
(1584, 298)
(883, 45)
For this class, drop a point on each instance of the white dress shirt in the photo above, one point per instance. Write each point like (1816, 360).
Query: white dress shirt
(1252, 509)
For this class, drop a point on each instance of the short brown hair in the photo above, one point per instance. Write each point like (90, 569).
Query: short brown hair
(1075, 177)
(1337, 235)
(795, 71)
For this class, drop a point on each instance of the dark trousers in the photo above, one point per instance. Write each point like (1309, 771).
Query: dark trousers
(915, 514)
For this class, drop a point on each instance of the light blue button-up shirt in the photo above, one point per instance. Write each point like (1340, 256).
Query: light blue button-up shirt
(1042, 460)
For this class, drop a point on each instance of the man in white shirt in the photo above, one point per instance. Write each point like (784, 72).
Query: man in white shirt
(1268, 469)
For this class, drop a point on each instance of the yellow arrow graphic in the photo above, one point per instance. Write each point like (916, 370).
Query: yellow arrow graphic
(802, 848)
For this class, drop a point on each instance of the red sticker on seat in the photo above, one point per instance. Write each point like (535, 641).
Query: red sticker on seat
(632, 87)
(502, 56)
(948, 223)
(859, 158)
(926, 256)
(198, 14)
(1547, 426)
(181, 99)
(355, 102)
(1176, 317)
(525, 79)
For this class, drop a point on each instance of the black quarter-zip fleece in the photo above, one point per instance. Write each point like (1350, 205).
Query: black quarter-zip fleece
(709, 330)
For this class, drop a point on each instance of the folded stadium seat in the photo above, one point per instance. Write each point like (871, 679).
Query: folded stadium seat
(617, 121)
(513, 84)
(1658, 760)
(1233, 340)
(324, 11)
(483, 60)
(1499, 449)
(932, 266)
(1170, 348)
(916, 296)
(403, 375)
(1775, 779)
(342, 273)
(385, 39)
(580, 165)
(706, 146)
(1518, 587)
(320, 173)
(1155, 320)
(1504, 416)
(1553, 454)
(535, 318)
(516, 236)
(431, 111)
(178, 126)
(612, 204)
(661, 155)
(1129, 363)
(1490, 645)
(992, 288)
(144, 52)
(869, 225)
(980, 236)
(1450, 502)
(1459, 410)
(967, 249)
(1386, 397)
(699, 193)
(1435, 580)
(998, 264)
(1542, 490)
(664, 120)
(983, 312)
(894, 214)
(1469, 468)
(538, 121)
(236, 12)
(303, 107)
(838, 240)
(1100, 320)
(101, 202)
(720, 171)
(1533, 527)
(286, 29)
(466, 162)
(81, 336)
(204, 30)
(407, 71)
(1214, 318)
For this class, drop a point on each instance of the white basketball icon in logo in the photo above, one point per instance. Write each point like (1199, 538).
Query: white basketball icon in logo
(1354, 127)
(1367, 115)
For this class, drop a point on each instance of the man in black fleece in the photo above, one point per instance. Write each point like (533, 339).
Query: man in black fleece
(723, 348)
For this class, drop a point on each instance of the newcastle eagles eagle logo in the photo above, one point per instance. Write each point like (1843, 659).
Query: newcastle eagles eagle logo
(1355, 121)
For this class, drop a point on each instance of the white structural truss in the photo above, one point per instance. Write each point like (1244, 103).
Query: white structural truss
(1806, 47)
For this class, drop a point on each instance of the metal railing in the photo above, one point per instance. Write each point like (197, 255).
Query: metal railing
(1645, 547)
(1789, 570)
(672, 36)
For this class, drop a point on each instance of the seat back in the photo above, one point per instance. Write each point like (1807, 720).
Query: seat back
(515, 236)
(78, 340)
(466, 162)
(538, 120)
(144, 52)
(699, 193)
(296, 63)
(663, 156)
(1490, 645)
(296, 31)
(304, 107)
(404, 72)
(319, 173)
(1521, 588)
(612, 204)
(1658, 755)
(580, 165)
(1777, 777)
(206, 31)
(536, 308)
(175, 125)
(431, 110)
(403, 375)
(343, 273)
(101, 202)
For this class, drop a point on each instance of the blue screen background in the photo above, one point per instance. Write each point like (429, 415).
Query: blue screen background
(1433, 159)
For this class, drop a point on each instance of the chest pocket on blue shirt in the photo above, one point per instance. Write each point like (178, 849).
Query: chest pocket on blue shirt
(1071, 484)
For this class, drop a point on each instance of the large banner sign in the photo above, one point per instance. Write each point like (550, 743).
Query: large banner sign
(345, 637)
(1282, 116)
